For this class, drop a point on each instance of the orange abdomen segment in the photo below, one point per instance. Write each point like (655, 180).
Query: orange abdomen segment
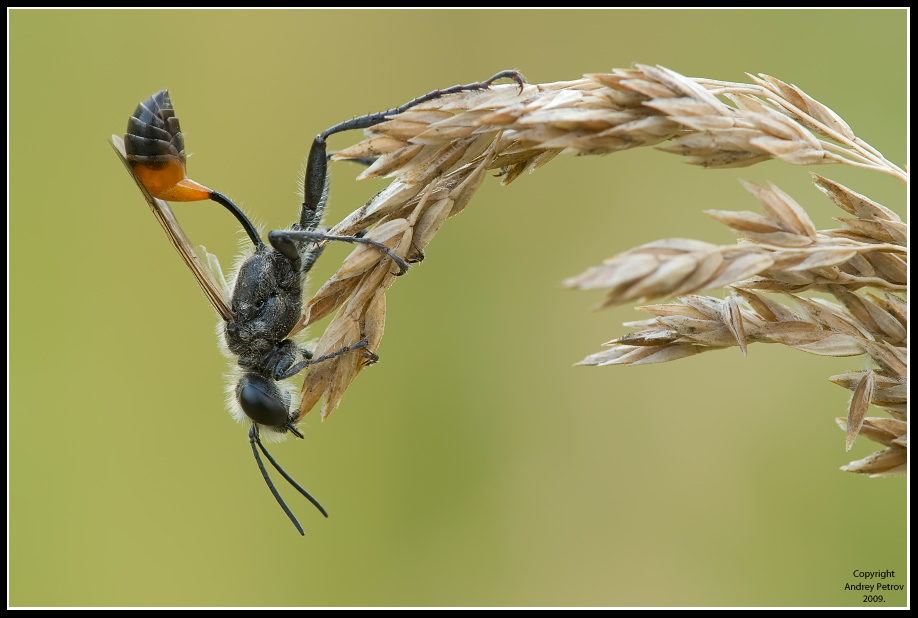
(155, 149)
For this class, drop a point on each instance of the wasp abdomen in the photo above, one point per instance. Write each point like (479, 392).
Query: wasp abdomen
(155, 149)
(153, 132)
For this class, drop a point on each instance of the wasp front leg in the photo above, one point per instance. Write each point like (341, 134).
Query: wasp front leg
(283, 356)
(287, 370)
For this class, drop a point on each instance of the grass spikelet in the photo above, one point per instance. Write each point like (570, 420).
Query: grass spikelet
(439, 152)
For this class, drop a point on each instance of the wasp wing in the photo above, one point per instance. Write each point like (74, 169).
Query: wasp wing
(214, 290)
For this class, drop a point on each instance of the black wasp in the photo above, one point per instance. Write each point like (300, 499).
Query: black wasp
(263, 302)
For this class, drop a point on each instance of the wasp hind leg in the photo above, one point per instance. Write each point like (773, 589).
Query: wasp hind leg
(315, 185)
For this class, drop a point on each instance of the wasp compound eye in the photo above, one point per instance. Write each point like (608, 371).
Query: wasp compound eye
(262, 401)
(155, 150)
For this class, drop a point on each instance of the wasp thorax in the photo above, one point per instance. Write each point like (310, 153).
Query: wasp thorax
(266, 300)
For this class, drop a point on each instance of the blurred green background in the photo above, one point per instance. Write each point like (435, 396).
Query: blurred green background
(474, 465)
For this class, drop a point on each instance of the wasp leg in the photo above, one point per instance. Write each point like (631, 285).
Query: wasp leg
(281, 374)
(365, 161)
(371, 358)
(282, 356)
(313, 254)
(287, 238)
(310, 256)
(315, 186)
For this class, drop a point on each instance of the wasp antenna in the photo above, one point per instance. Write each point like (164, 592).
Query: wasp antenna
(253, 440)
(247, 225)
(284, 474)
